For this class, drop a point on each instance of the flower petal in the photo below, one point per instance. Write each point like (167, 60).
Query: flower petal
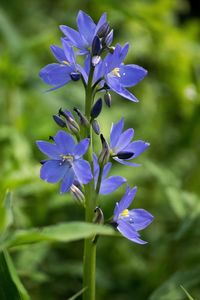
(73, 36)
(115, 133)
(141, 218)
(49, 149)
(124, 140)
(102, 20)
(137, 147)
(53, 170)
(114, 84)
(125, 162)
(67, 181)
(69, 53)
(110, 184)
(55, 74)
(128, 232)
(64, 142)
(86, 26)
(81, 148)
(131, 75)
(82, 170)
(106, 169)
(125, 202)
(58, 53)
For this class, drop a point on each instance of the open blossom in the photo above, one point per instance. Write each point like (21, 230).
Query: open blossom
(59, 74)
(121, 145)
(129, 222)
(108, 184)
(118, 76)
(65, 161)
(87, 30)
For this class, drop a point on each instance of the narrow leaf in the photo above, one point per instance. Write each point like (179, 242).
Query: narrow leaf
(188, 295)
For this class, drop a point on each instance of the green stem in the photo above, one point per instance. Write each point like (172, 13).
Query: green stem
(99, 179)
(89, 257)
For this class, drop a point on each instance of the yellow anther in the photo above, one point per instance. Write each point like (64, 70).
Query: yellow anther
(124, 213)
(115, 72)
(65, 62)
(66, 157)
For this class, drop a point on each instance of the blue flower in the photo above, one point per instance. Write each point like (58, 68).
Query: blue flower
(121, 147)
(59, 74)
(65, 161)
(110, 184)
(129, 222)
(87, 30)
(117, 76)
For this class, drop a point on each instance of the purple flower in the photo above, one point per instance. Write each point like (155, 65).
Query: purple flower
(87, 30)
(118, 76)
(65, 161)
(59, 74)
(121, 147)
(110, 184)
(129, 222)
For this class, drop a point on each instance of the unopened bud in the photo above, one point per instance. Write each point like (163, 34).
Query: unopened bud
(75, 76)
(51, 138)
(83, 120)
(107, 99)
(59, 121)
(96, 46)
(96, 60)
(108, 39)
(105, 152)
(99, 217)
(96, 127)
(72, 125)
(96, 109)
(124, 155)
(77, 193)
(103, 30)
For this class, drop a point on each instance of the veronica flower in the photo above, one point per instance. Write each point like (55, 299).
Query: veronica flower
(59, 74)
(87, 30)
(121, 147)
(65, 161)
(129, 222)
(110, 184)
(116, 76)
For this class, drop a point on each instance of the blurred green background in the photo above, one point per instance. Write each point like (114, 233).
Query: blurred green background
(164, 38)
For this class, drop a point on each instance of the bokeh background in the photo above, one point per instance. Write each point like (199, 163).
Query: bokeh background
(164, 38)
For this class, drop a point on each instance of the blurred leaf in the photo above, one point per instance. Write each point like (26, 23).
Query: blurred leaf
(6, 216)
(189, 296)
(64, 232)
(11, 287)
(170, 289)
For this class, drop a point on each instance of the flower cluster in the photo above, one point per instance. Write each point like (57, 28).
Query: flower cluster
(71, 158)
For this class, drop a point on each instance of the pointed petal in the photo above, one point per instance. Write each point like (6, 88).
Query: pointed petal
(125, 202)
(140, 218)
(64, 142)
(49, 149)
(125, 162)
(81, 148)
(110, 184)
(124, 140)
(106, 170)
(115, 85)
(86, 27)
(58, 53)
(53, 170)
(128, 232)
(137, 147)
(82, 170)
(55, 74)
(115, 133)
(67, 181)
(73, 36)
(102, 20)
(69, 53)
(131, 75)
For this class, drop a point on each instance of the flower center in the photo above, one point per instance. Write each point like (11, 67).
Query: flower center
(68, 158)
(115, 72)
(124, 213)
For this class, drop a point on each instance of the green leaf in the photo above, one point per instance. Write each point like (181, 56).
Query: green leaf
(189, 296)
(11, 286)
(77, 294)
(6, 216)
(63, 232)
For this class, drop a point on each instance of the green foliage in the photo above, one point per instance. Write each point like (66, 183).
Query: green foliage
(163, 36)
